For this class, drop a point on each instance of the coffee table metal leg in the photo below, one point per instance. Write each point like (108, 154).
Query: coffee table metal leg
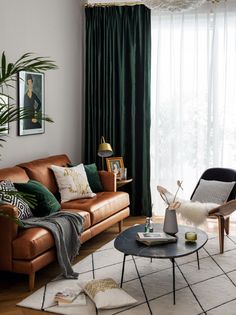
(123, 269)
(173, 271)
(198, 263)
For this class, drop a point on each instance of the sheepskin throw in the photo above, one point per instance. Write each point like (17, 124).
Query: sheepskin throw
(193, 212)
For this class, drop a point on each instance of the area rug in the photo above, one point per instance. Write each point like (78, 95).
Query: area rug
(210, 290)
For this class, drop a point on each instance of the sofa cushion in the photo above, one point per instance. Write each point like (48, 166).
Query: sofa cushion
(40, 170)
(34, 241)
(72, 182)
(85, 215)
(15, 174)
(103, 205)
(46, 201)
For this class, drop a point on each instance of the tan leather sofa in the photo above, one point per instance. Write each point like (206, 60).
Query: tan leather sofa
(28, 250)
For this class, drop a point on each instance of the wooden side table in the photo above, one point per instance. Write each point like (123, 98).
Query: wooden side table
(122, 182)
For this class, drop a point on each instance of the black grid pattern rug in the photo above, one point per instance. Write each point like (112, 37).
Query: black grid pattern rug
(210, 290)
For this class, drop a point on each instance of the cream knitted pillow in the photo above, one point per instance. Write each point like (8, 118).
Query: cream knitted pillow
(106, 294)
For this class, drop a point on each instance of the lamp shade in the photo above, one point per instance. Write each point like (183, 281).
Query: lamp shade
(104, 149)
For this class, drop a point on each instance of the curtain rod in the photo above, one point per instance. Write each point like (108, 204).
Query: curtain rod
(110, 4)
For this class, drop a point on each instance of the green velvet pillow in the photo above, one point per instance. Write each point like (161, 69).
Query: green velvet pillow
(46, 201)
(92, 175)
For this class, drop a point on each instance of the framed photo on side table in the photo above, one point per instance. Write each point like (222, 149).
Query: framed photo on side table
(31, 98)
(114, 164)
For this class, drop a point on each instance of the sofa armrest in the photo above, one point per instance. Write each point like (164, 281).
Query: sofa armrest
(8, 232)
(108, 180)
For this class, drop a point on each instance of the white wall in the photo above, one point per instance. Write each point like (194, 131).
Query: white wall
(51, 28)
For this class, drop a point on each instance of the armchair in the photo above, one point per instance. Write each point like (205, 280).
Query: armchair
(222, 212)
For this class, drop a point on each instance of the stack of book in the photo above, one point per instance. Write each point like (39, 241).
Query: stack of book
(155, 238)
(70, 297)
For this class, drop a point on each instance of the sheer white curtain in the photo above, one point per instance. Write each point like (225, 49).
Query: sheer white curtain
(193, 97)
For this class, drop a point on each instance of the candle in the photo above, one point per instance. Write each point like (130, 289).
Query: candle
(190, 236)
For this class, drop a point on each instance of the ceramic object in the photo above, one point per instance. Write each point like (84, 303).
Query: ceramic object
(170, 222)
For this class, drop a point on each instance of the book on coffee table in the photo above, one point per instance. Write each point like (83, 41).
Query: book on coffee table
(155, 238)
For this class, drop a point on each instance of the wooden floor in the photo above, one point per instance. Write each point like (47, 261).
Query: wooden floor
(13, 287)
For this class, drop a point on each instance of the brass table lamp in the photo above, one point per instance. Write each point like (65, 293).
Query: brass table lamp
(104, 150)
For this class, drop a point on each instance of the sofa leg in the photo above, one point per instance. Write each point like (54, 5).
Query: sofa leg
(120, 223)
(31, 281)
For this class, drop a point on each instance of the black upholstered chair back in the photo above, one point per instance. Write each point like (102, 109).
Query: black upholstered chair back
(222, 175)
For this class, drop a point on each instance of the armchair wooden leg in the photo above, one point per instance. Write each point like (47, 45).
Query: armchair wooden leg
(120, 223)
(221, 226)
(31, 281)
(227, 222)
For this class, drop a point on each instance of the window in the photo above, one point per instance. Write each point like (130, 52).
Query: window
(193, 97)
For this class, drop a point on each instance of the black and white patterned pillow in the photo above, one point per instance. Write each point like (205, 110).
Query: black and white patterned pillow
(15, 200)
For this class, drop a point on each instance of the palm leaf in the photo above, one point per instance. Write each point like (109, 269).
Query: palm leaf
(8, 74)
(27, 62)
(3, 64)
(11, 113)
(30, 199)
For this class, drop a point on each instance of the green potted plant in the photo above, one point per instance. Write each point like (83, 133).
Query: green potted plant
(8, 75)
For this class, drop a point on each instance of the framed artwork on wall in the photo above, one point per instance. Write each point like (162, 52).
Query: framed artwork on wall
(4, 103)
(114, 164)
(31, 99)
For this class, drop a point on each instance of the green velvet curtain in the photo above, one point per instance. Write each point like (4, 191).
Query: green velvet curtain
(118, 57)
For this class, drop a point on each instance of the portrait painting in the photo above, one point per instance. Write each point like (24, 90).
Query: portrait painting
(114, 164)
(31, 100)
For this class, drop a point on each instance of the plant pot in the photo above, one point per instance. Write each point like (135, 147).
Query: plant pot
(170, 222)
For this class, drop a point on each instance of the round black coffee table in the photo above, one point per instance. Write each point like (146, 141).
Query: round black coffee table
(126, 243)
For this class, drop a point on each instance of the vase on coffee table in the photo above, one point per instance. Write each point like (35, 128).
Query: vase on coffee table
(170, 225)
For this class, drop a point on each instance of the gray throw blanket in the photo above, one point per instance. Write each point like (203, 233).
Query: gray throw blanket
(66, 228)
